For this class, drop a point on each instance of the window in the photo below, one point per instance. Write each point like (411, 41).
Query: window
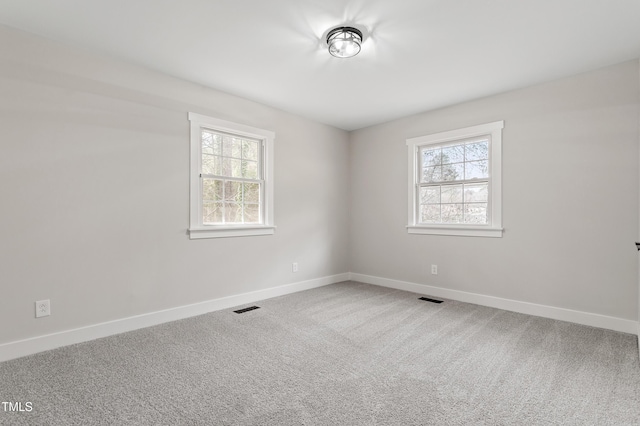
(231, 179)
(455, 182)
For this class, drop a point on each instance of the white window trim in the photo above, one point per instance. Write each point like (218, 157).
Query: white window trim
(197, 230)
(494, 227)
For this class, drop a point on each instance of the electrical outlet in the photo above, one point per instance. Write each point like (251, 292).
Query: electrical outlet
(434, 269)
(43, 308)
(294, 267)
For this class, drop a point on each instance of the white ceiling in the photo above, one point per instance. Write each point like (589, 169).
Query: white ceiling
(417, 54)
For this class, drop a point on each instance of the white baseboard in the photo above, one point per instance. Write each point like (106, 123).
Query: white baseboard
(37, 344)
(578, 317)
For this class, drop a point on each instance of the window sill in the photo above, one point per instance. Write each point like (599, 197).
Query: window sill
(465, 231)
(230, 231)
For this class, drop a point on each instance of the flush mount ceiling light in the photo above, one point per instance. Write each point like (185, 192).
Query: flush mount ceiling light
(344, 42)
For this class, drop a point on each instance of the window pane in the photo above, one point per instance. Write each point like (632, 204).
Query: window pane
(217, 144)
(250, 169)
(476, 192)
(451, 193)
(431, 157)
(207, 143)
(251, 213)
(432, 174)
(236, 148)
(211, 212)
(231, 167)
(227, 145)
(210, 164)
(251, 193)
(430, 195)
(475, 213)
(453, 154)
(452, 213)
(231, 146)
(250, 150)
(233, 213)
(451, 172)
(212, 189)
(476, 169)
(430, 213)
(211, 143)
(233, 191)
(477, 151)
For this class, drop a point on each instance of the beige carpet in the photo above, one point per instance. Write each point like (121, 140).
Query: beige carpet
(345, 354)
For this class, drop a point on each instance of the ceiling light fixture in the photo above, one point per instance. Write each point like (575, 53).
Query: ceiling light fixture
(344, 42)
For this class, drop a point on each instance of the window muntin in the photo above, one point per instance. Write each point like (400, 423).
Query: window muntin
(231, 183)
(454, 181)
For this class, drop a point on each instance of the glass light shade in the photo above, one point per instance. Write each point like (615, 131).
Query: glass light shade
(344, 42)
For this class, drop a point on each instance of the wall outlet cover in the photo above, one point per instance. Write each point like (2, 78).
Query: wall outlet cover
(43, 308)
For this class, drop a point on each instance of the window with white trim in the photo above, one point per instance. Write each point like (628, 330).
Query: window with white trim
(455, 182)
(231, 185)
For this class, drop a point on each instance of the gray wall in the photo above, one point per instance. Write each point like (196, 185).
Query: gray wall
(570, 198)
(94, 183)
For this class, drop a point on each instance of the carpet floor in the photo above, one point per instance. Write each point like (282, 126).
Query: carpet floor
(344, 354)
